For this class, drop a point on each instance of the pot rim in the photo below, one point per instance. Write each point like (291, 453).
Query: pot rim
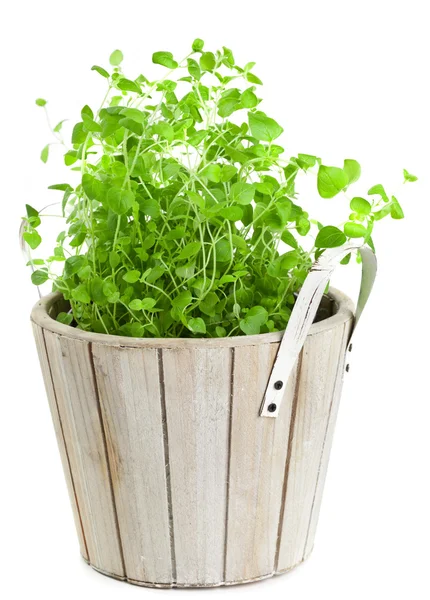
(40, 316)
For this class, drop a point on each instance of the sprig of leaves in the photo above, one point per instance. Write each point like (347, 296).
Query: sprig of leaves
(184, 204)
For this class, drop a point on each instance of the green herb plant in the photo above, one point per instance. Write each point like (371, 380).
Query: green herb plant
(185, 221)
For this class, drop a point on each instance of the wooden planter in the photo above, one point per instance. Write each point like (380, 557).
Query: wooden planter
(174, 478)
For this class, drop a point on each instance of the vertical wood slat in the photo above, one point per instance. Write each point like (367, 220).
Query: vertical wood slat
(197, 391)
(76, 393)
(130, 397)
(257, 464)
(328, 440)
(58, 427)
(318, 378)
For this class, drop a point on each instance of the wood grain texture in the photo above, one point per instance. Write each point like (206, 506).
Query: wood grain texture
(257, 464)
(129, 391)
(58, 427)
(316, 387)
(328, 439)
(175, 479)
(76, 393)
(197, 388)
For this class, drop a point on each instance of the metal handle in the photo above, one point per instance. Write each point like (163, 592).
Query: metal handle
(304, 312)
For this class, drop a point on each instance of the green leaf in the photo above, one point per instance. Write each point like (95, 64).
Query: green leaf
(148, 303)
(345, 260)
(212, 172)
(182, 300)
(409, 176)
(240, 243)
(116, 58)
(189, 250)
(289, 260)
(354, 230)
(229, 102)
(73, 264)
(41, 102)
(45, 154)
(303, 226)
(384, 212)
(248, 99)
(127, 85)
(59, 125)
(32, 238)
(100, 70)
(31, 212)
(90, 124)
(135, 304)
(232, 213)
(227, 172)
(330, 237)
(223, 251)
(79, 135)
(81, 294)
(396, 209)
(193, 68)
(131, 276)
(379, 190)
(164, 130)
(197, 138)
(150, 207)
(114, 259)
(306, 161)
(197, 45)
(93, 187)
(262, 127)
(145, 304)
(165, 59)
(65, 318)
(132, 125)
(288, 238)
(40, 276)
(352, 170)
(360, 206)
(120, 201)
(196, 199)
(134, 114)
(253, 79)
(87, 112)
(255, 318)
(242, 193)
(331, 180)
(111, 291)
(196, 325)
(207, 61)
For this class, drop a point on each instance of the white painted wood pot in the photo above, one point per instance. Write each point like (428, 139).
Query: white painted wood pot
(174, 478)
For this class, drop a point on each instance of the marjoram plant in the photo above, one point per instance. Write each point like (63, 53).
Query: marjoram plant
(184, 221)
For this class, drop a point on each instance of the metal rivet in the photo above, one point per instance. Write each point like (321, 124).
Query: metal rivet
(347, 368)
(271, 408)
(350, 347)
(278, 385)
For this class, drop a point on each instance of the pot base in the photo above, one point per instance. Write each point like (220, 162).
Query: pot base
(191, 586)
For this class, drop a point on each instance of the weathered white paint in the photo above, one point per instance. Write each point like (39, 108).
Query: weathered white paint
(175, 478)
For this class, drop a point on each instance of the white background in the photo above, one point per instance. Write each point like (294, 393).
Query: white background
(346, 80)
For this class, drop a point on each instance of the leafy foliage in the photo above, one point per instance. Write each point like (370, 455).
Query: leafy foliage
(184, 201)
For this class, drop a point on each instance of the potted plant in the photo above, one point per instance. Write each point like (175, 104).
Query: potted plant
(185, 256)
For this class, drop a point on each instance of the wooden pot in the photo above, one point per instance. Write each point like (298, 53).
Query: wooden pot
(174, 478)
